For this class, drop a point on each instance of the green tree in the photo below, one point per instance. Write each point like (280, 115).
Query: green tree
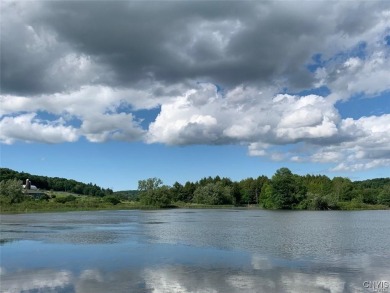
(266, 200)
(248, 191)
(384, 196)
(12, 190)
(188, 191)
(153, 194)
(287, 189)
(342, 188)
(213, 194)
(149, 184)
(236, 193)
(178, 193)
(320, 202)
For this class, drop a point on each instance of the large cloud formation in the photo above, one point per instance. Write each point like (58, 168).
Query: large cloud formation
(221, 73)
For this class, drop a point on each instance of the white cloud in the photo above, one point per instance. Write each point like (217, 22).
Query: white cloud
(26, 127)
(91, 85)
(97, 107)
(307, 117)
(357, 76)
(324, 156)
(363, 144)
(366, 72)
(103, 127)
(263, 123)
(260, 119)
(370, 147)
(230, 118)
(86, 101)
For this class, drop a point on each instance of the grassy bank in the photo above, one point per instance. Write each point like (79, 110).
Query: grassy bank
(90, 205)
(64, 201)
(35, 207)
(82, 205)
(354, 205)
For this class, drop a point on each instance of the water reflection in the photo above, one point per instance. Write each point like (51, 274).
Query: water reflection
(37, 281)
(194, 251)
(181, 278)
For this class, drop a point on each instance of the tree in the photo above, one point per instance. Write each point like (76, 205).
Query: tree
(153, 194)
(342, 188)
(287, 189)
(188, 191)
(149, 184)
(178, 193)
(250, 189)
(213, 194)
(384, 195)
(266, 196)
(236, 193)
(12, 190)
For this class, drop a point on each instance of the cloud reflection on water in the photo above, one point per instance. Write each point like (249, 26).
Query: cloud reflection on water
(193, 251)
(263, 277)
(37, 281)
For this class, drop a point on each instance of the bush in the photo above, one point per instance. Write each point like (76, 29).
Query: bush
(323, 203)
(114, 200)
(160, 197)
(66, 199)
(12, 189)
(384, 196)
(213, 194)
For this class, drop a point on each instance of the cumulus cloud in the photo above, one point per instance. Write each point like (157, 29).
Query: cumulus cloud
(98, 108)
(27, 127)
(262, 118)
(115, 126)
(371, 146)
(363, 67)
(57, 45)
(236, 73)
(271, 122)
(34, 60)
(368, 76)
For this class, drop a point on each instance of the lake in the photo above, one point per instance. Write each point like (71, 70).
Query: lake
(190, 250)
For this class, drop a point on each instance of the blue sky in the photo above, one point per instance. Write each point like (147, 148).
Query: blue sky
(199, 89)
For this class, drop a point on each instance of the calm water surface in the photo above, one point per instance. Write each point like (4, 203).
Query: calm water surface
(195, 251)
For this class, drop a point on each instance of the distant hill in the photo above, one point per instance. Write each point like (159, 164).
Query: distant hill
(373, 183)
(55, 183)
(132, 195)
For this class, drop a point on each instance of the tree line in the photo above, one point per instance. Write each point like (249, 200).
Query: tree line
(284, 190)
(54, 183)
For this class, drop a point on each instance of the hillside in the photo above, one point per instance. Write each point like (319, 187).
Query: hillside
(284, 190)
(55, 183)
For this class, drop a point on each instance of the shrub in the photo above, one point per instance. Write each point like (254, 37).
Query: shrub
(114, 200)
(66, 199)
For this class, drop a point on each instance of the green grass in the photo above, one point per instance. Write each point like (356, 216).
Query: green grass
(201, 206)
(355, 205)
(78, 205)
(65, 201)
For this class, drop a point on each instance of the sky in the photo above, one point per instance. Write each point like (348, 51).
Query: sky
(112, 92)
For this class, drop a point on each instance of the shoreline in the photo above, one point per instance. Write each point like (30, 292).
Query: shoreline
(59, 209)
